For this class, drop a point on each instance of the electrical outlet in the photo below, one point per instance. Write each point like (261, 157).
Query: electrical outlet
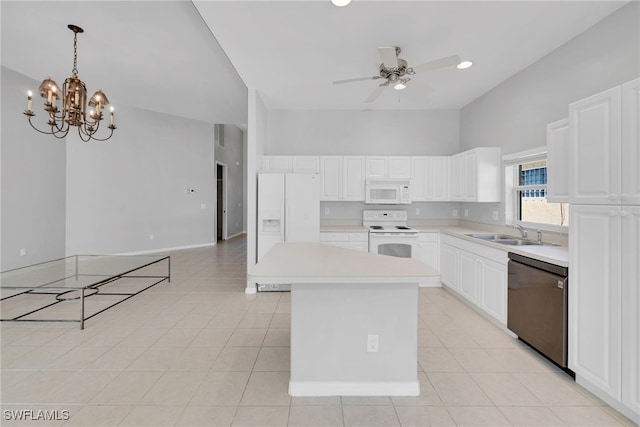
(23, 252)
(203, 206)
(372, 343)
(495, 215)
(417, 211)
(454, 212)
(151, 236)
(326, 211)
(466, 212)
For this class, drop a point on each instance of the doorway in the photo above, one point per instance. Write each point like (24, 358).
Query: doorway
(221, 201)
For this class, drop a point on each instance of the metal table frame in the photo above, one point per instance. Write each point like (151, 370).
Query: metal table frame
(64, 293)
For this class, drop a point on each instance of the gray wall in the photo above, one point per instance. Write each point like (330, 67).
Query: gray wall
(33, 180)
(514, 114)
(232, 155)
(352, 132)
(122, 191)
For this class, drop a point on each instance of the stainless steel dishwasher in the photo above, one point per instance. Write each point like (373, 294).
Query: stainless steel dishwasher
(537, 305)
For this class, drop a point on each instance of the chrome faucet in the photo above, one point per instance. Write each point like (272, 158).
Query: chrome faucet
(521, 229)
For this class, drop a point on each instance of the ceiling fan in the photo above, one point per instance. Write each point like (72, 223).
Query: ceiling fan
(395, 71)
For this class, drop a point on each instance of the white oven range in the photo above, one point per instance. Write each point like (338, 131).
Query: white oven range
(389, 234)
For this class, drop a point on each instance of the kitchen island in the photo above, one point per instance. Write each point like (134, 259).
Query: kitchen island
(354, 318)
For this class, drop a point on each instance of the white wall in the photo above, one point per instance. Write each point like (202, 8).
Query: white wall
(33, 180)
(514, 114)
(121, 191)
(352, 132)
(256, 143)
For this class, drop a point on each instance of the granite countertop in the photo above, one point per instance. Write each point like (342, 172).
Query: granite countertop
(319, 263)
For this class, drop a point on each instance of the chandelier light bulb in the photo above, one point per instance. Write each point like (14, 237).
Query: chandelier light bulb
(464, 65)
(340, 3)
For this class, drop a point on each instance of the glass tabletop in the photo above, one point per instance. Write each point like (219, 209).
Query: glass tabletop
(75, 272)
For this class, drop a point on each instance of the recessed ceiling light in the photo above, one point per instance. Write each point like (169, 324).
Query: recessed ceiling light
(464, 64)
(340, 3)
(399, 86)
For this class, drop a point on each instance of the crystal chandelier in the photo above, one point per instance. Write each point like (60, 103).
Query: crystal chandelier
(73, 97)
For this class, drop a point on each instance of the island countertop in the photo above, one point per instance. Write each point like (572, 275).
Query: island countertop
(319, 263)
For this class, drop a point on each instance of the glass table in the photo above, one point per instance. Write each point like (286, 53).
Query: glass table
(80, 277)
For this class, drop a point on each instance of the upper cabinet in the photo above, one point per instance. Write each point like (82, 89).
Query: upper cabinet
(429, 178)
(396, 167)
(331, 178)
(291, 164)
(558, 161)
(353, 176)
(604, 150)
(475, 175)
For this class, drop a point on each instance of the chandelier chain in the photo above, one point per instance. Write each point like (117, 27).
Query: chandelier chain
(75, 54)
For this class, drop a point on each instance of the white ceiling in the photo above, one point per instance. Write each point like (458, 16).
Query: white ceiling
(292, 50)
(162, 55)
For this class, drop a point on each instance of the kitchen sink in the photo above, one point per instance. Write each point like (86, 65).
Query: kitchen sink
(505, 239)
(491, 237)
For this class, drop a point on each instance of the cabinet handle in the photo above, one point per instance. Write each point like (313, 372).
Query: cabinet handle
(613, 196)
(612, 213)
(624, 213)
(624, 196)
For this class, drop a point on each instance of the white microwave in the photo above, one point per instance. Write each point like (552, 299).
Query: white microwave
(388, 192)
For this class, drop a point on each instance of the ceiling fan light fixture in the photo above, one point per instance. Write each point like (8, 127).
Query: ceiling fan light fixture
(399, 86)
(340, 3)
(464, 65)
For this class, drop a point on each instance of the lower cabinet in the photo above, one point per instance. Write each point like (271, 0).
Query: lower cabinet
(476, 272)
(350, 240)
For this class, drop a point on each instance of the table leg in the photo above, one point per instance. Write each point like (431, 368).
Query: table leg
(82, 308)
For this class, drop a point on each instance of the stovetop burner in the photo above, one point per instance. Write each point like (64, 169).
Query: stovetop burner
(376, 227)
(402, 227)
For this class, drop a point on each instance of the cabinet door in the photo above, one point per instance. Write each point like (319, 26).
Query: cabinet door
(493, 298)
(277, 164)
(630, 216)
(399, 167)
(438, 178)
(353, 170)
(457, 177)
(470, 176)
(630, 146)
(595, 148)
(376, 167)
(558, 161)
(468, 274)
(449, 266)
(359, 246)
(331, 178)
(305, 164)
(429, 253)
(419, 181)
(595, 296)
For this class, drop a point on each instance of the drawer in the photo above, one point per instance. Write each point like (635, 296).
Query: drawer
(358, 237)
(334, 237)
(429, 237)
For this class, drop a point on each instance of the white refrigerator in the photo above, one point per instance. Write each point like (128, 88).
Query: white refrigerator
(288, 209)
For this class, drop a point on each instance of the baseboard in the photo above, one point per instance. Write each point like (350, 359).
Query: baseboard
(430, 285)
(615, 404)
(354, 388)
(174, 248)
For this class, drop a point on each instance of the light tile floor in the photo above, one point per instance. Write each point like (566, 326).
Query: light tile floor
(200, 352)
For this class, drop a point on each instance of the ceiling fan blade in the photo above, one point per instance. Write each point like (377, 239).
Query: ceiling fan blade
(447, 61)
(389, 56)
(375, 94)
(357, 79)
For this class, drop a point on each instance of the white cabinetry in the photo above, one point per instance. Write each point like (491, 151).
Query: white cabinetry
(396, 167)
(558, 161)
(604, 246)
(287, 164)
(430, 251)
(330, 178)
(276, 164)
(476, 272)
(475, 175)
(429, 178)
(353, 170)
(349, 240)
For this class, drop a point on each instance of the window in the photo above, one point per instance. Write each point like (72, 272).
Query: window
(526, 186)
(531, 197)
